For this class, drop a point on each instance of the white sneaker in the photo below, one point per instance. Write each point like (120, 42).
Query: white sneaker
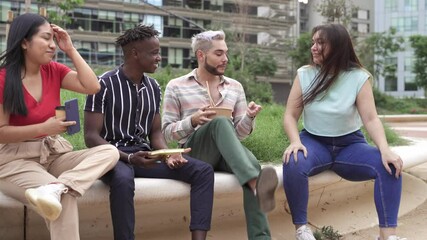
(46, 199)
(304, 233)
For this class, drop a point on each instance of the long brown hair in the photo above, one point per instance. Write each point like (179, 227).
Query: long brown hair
(341, 57)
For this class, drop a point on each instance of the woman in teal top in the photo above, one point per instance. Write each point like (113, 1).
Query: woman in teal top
(334, 96)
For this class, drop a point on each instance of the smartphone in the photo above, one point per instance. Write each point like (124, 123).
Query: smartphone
(72, 114)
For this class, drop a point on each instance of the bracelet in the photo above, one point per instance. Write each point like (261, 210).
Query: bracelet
(129, 157)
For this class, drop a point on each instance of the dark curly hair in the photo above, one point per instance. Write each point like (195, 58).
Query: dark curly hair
(138, 33)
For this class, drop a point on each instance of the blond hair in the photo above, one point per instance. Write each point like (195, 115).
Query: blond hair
(203, 41)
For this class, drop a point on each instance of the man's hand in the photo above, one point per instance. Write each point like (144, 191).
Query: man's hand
(201, 116)
(177, 160)
(142, 159)
(253, 109)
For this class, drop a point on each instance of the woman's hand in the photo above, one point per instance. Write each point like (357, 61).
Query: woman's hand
(63, 39)
(54, 126)
(293, 148)
(389, 157)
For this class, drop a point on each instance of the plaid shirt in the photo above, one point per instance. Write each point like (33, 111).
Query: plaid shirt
(185, 96)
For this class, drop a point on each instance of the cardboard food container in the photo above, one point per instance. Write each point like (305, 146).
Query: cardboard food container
(220, 111)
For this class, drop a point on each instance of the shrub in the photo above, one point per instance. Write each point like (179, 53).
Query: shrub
(327, 233)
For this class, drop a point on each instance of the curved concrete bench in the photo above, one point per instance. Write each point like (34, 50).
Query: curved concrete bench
(162, 207)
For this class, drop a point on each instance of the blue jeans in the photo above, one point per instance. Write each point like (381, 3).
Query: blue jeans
(352, 158)
(198, 174)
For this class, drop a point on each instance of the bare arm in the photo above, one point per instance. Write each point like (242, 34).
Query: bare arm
(83, 80)
(92, 129)
(157, 139)
(11, 134)
(366, 106)
(290, 122)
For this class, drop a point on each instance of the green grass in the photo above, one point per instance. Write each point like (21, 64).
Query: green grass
(268, 140)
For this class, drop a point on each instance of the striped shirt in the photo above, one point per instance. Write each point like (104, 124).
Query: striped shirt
(128, 108)
(185, 96)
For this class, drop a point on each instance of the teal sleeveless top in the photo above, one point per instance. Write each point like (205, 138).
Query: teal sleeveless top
(334, 112)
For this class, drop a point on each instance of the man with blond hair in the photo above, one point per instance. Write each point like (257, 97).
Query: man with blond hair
(189, 118)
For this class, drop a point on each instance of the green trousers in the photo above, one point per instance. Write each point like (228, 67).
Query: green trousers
(217, 144)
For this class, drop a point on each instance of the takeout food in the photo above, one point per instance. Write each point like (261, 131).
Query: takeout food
(220, 111)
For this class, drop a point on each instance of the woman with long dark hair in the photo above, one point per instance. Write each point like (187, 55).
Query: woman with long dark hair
(334, 95)
(37, 165)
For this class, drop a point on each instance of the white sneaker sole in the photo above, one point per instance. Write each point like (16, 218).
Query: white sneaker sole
(266, 188)
(46, 206)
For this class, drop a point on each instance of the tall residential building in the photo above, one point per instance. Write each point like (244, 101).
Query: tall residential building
(409, 17)
(266, 25)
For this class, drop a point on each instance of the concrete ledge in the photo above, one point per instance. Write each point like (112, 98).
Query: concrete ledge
(162, 207)
(404, 118)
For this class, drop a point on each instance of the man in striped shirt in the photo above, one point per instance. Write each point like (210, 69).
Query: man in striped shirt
(188, 118)
(125, 113)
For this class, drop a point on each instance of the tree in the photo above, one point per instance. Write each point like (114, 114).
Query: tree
(339, 11)
(256, 64)
(419, 44)
(57, 10)
(376, 51)
(300, 54)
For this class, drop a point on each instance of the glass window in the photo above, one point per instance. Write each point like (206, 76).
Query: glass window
(390, 84)
(411, 5)
(214, 5)
(405, 24)
(360, 27)
(105, 54)
(363, 14)
(85, 49)
(82, 13)
(173, 27)
(2, 43)
(174, 3)
(156, 21)
(194, 4)
(131, 1)
(175, 57)
(409, 64)
(154, 2)
(411, 24)
(164, 54)
(4, 9)
(410, 84)
(230, 8)
(130, 20)
(391, 5)
(106, 15)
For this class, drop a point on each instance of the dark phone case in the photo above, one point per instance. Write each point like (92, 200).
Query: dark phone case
(72, 114)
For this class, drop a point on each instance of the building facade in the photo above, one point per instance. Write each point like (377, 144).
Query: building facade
(361, 22)
(408, 17)
(95, 25)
